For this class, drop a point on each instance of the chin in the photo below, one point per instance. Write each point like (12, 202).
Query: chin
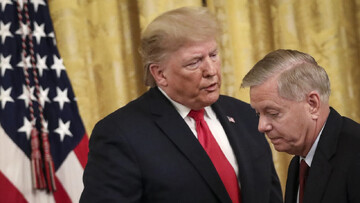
(281, 148)
(208, 102)
(213, 98)
(207, 99)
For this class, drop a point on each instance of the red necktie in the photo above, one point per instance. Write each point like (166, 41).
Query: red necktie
(222, 165)
(303, 173)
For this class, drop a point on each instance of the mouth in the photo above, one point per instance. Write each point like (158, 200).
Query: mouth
(275, 140)
(212, 87)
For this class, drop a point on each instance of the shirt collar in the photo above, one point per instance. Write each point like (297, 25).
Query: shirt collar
(184, 110)
(309, 157)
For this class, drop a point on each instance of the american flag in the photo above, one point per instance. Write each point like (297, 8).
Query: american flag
(35, 93)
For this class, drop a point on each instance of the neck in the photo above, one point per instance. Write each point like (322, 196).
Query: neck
(324, 112)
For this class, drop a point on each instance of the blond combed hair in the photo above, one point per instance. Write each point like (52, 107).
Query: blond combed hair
(298, 74)
(171, 30)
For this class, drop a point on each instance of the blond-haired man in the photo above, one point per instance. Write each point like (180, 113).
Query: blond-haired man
(181, 141)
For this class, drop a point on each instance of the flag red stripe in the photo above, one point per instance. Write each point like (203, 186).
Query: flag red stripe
(81, 150)
(8, 192)
(60, 195)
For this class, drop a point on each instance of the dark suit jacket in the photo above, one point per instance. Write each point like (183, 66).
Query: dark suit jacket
(334, 176)
(145, 152)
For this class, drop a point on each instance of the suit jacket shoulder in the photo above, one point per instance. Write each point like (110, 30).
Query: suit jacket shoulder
(145, 152)
(334, 175)
(242, 110)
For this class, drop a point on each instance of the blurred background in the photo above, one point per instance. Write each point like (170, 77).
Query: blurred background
(99, 39)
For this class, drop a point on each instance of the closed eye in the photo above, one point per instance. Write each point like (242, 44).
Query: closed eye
(214, 55)
(194, 64)
(274, 114)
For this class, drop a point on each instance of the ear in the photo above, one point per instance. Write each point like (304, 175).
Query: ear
(313, 101)
(157, 71)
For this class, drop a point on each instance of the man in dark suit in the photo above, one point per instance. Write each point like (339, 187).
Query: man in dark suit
(148, 150)
(290, 93)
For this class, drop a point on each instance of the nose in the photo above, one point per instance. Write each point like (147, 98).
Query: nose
(210, 67)
(264, 126)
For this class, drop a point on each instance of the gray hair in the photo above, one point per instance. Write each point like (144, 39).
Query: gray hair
(169, 31)
(298, 73)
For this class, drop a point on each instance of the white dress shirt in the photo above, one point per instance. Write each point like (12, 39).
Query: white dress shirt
(309, 157)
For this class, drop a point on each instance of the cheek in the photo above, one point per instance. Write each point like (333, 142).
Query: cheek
(192, 78)
(182, 77)
(296, 135)
(186, 83)
(218, 65)
(288, 130)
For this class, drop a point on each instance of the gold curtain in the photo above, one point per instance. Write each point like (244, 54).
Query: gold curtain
(98, 40)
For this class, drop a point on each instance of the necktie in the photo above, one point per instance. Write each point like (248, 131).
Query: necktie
(222, 165)
(303, 173)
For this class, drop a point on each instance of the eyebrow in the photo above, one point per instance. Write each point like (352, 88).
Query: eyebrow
(199, 56)
(271, 108)
(193, 58)
(214, 50)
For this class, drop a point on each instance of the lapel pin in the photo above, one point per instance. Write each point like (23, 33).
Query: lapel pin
(231, 119)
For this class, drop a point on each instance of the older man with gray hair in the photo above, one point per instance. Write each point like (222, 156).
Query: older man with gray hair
(290, 94)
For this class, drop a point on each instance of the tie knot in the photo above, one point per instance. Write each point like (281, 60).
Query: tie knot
(197, 115)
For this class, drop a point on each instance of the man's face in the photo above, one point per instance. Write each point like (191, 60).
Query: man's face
(191, 75)
(287, 123)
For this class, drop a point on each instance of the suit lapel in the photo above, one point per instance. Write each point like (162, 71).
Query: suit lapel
(239, 149)
(321, 166)
(315, 183)
(174, 126)
(317, 180)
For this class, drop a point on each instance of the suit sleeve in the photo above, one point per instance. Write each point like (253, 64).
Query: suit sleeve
(275, 190)
(111, 174)
(275, 193)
